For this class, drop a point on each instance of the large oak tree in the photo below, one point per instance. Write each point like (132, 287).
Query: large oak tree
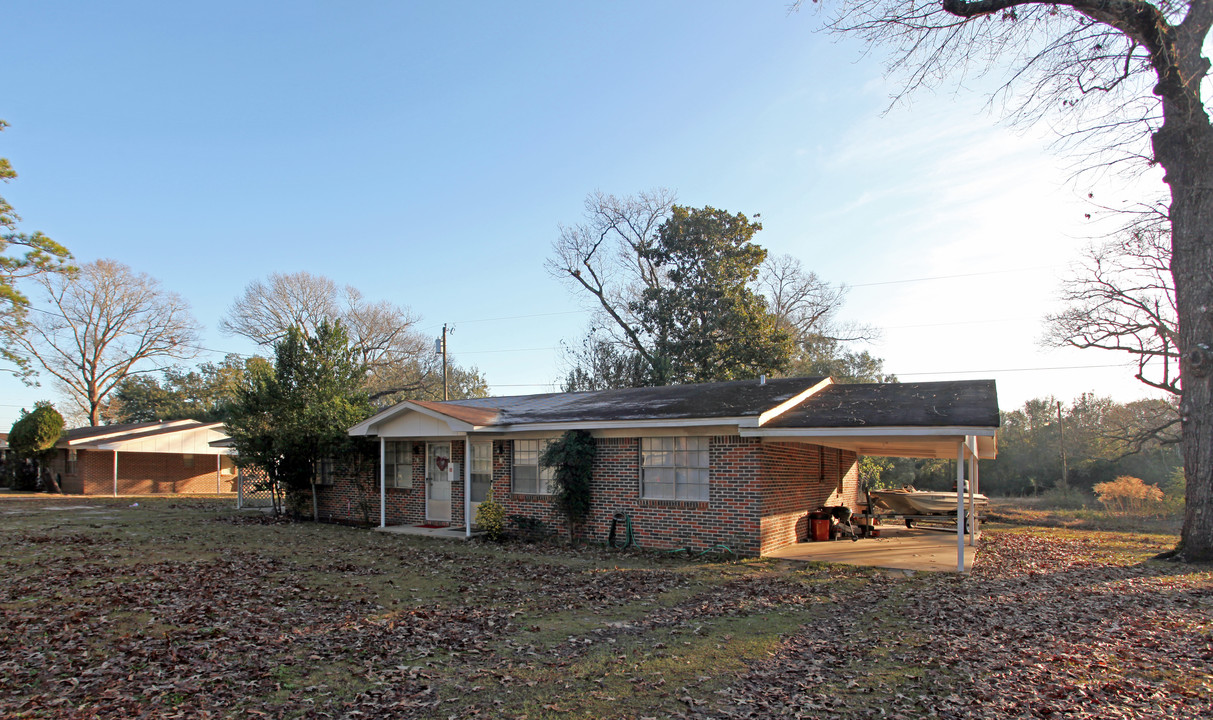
(1119, 71)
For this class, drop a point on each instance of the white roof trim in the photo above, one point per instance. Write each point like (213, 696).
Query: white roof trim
(367, 427)
(792, 402)
(180, 424)
(893, 430)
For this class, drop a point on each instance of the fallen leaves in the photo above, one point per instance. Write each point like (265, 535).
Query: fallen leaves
(173, 614)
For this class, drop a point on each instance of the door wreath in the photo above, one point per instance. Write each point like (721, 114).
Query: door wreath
(442, 462)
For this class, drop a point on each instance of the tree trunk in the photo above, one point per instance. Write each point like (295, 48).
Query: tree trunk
(1184, 147)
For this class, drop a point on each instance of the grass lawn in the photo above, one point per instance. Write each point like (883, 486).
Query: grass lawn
(187, 608)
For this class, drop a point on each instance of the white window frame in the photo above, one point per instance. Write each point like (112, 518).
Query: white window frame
(675, 468)
(543, 476)
(478, 466)
(69, 466)
(393, 451)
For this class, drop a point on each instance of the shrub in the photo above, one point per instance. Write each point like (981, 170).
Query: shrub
(490, 517)
(572, 457)
(1129, 496)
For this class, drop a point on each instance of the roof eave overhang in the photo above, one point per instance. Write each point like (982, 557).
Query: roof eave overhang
(891, 441)
(957, 430)
(97, 441)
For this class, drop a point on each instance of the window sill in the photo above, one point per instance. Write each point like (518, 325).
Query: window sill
(683, 504)
(514, 495)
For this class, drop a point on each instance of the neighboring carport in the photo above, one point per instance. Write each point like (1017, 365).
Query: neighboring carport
(949, 420)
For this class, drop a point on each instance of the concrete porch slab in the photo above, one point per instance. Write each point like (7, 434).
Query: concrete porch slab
(446, 533)
(896, 548)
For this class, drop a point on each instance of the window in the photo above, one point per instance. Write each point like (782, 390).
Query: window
(529, 478)
(674, 468)
(187, 460)
(323, 470)
(226, 465)
(398, 464)
(71, 463)
(482, 471)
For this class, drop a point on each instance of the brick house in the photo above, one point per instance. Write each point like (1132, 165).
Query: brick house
(735, 463)
(144, 459)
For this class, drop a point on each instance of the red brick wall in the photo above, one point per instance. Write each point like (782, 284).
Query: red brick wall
(759, 497)
(800, 478)
(141, 474)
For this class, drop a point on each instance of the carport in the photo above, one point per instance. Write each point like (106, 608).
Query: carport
(953, 420)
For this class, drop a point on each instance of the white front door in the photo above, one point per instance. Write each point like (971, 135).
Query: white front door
(439, 470)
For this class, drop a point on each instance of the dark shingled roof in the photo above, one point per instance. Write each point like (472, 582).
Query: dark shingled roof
(963, 403)
(706, 400)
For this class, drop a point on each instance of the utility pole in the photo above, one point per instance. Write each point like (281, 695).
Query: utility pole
(1061, 429)
(442, 351)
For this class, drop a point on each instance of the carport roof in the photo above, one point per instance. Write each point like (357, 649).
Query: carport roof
(970, 403)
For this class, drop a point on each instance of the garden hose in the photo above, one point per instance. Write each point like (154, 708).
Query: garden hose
(629, 537)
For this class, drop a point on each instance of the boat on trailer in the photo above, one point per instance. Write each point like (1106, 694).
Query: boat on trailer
(908, 501)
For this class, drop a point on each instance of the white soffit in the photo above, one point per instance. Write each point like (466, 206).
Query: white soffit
(890, 442)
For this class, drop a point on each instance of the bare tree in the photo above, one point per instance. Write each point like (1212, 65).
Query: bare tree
(1117, 72)
(399, 359)
(806, 304)
(382, 333)
(1122, 299)
(606, 256)
(267, 310)
(104, 324)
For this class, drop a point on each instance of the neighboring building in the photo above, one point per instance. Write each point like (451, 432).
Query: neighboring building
(144, 459)
(733, 463)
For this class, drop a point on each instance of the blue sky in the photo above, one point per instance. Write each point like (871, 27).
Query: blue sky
(426, 153)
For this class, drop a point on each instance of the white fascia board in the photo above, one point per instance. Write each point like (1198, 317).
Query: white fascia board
(102, 436)
(887, 430)
(367, 427)
(792, 402)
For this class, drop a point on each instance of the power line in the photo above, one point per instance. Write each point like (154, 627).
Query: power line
(998, 370)
(950, 277)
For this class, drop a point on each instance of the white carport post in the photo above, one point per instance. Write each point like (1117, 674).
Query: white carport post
(382, 484)
(115, 472)
(467, 485)
(960, 506)
(973, 490)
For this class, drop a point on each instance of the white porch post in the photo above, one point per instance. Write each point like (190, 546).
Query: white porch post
(115, 472)
(960, 506)
(467, 485)
(218, 479)
(382, 484)
(973, 529)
